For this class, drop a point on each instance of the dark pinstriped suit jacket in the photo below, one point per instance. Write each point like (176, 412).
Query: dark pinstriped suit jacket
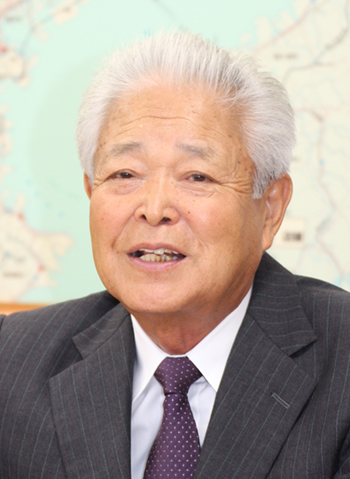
(282, 410)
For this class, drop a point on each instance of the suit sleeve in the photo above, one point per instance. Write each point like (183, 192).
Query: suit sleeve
(2, 317)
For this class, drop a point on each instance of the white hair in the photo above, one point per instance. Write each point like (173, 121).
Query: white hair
(260, 101)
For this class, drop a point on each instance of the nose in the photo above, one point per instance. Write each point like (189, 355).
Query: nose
(158, 202)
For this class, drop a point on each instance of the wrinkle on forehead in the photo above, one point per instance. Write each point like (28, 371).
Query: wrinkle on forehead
(115, 118)
(191, 100)
(168, 107)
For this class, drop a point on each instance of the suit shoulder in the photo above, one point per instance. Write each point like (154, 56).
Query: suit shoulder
(316, 289)
(49, 329)
(325, 306)
(328, 309)
(89, 309)
(309, 289)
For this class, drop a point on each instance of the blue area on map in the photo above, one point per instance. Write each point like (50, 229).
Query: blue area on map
(43, 111)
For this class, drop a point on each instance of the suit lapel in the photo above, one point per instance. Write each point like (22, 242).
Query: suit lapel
(91, 401)
(263, 390)
(261, 394)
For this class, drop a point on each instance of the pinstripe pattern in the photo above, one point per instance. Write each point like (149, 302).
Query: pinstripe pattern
(295, 342)
(92, 407)
(282, 409)
(28, 437)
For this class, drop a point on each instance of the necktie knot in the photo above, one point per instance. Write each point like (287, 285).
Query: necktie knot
(176, 375)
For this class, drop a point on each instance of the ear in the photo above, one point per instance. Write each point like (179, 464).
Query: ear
(87, 185)
(276, 199)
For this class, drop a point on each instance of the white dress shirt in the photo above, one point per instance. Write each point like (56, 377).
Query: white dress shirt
(209, 356)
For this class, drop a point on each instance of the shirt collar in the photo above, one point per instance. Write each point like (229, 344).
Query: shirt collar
(209, 355)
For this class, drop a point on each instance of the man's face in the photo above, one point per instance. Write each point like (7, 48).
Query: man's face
(173, 223)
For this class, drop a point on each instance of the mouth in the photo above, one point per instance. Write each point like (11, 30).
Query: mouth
(159, 255)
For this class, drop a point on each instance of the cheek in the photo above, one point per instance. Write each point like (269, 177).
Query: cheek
(99, 219)
(231, 229)
(215, 222)
(106, 219)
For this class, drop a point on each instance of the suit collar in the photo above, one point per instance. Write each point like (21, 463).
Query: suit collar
(91, 400)
(89, 340)
(275, 305)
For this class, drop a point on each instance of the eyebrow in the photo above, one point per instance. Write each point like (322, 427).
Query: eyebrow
(204, 152)
(121, 149)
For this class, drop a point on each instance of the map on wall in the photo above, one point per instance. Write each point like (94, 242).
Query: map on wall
(49, 50)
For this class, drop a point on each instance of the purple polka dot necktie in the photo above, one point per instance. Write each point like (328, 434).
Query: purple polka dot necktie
(176, 449)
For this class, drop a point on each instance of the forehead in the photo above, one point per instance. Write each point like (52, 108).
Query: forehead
(171, 111)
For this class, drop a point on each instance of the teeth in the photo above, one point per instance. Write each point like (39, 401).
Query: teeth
(158, 258)
(160, 251)
(158, 255)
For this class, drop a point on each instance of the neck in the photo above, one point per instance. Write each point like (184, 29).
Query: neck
(178, 334)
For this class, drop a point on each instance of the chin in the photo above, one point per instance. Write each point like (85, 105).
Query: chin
(149, 303)
(151, 307)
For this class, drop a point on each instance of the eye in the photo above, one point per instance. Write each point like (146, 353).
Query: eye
(124, 175)
(198, 177)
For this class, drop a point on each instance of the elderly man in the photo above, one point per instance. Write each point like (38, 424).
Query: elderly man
(204, 358)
